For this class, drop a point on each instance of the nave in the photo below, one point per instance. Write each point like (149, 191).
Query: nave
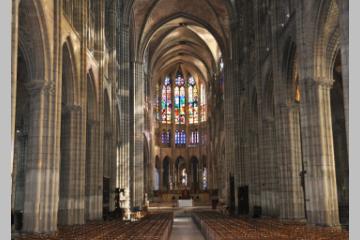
(121, 105)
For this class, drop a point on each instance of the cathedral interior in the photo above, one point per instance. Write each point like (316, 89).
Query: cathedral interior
(126, 112)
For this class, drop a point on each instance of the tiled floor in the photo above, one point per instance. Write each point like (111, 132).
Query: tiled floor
(185, 229)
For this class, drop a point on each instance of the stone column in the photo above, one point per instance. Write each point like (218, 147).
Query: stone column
(42, 172)
(289, 162)
(137, 135)
(124, 101)
(69, 203)
(269, 201)
(229, 100)
(318, 153)
(94, 178)
(79, 169)
(14, 59)
(161, 172)
(113, 165)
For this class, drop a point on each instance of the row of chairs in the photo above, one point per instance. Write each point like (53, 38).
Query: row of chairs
(217, 226)
(155, 226)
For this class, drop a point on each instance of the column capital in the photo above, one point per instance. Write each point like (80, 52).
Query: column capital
(137, 62)
(37, 87)
(288, 106)
(71, 108)
(93, 123)
(268, 119)
(324, 83)
(252, 131)
(282, 106)
(108, 134)
(319, 82)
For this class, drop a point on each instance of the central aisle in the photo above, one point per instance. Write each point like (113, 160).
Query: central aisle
(184, 228)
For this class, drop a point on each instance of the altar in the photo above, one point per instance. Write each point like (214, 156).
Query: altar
(185, 203)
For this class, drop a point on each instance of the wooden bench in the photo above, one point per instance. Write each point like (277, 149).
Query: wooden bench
(220, 227)
(156, 226)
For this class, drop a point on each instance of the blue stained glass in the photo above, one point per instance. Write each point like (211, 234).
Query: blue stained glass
(167, 81)
(182, 100)
(192, 81)
(165, 137)
(168, 137)
(166, 101)
(179, 81)
(183, 137)
(177, 138)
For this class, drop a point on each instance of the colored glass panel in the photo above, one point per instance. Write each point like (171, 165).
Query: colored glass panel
(190, 101)
(195, 105)
(165, 137)
(177, 104)
(193, 101)
(179, 108)
(177, 137)
(166, 101)
(182, 106)
(183, 137)
(203, 103)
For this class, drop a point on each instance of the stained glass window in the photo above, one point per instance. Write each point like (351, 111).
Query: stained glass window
(183, 137)
(194, 139)
(166, 101)
(180, 137)
(179, 93)
(157, 102)
(203, 103)
(177, 137)
(193, 99)
(221, 65)
(177, 103)
(168, 137)
(204, 178)
(165, 137)
(222, 77)
(182, 98)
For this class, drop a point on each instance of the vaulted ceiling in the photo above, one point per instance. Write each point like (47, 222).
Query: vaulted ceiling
(194, 33)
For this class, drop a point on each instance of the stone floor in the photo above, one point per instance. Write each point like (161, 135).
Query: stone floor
(185, 229)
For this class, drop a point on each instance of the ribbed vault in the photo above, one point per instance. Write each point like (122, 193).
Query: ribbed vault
(169, 32)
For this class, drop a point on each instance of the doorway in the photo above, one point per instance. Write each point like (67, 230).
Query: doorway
(232, 195)
(243, 200)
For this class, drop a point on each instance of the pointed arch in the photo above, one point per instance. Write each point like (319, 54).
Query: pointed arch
(33, 35)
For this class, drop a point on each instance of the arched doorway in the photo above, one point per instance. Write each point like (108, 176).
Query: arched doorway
(107, 150)
(157, 173)
(255, 187)
(204, 174)
(66, 214)
(146, 156)
(181, 177)
(340, 143)
(91, 161)
(21, 140)
(195, 174)
(166, 174)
